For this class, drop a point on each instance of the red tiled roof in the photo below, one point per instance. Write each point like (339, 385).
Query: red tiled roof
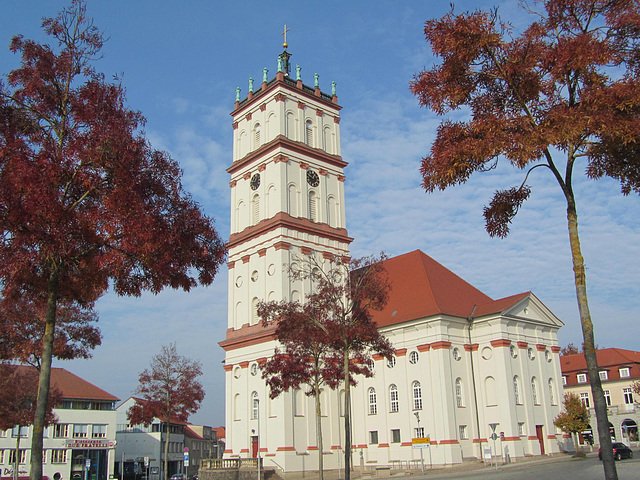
(220, 432)
(73, 387)
(607, 357)
(422, 287)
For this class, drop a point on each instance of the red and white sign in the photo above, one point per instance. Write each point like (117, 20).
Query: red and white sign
(81, 443)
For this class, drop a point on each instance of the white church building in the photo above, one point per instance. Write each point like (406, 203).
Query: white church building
(465, 364)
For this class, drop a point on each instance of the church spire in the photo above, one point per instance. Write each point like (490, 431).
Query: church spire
(284, 65)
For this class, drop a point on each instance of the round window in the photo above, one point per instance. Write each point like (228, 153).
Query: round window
(514, 351)
(487, 353)
(530, 353)
(236, 371)
(254, 276)
(456, 354)
(239, 282)
(254, 369)
(413, 357)
(391, 363)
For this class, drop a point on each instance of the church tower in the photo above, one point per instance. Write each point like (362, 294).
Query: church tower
(287, 201)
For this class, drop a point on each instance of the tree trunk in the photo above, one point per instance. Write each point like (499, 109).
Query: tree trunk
(166, 452)
(589, 344)
(347, 419)
(576, 447)
(44, 379)
(319, 433)
(16, 464)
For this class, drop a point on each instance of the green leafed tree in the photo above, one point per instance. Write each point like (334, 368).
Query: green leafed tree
(85, 202)
(573, 419)
(561, 97)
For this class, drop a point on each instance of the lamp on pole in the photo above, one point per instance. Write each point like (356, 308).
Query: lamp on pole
(258, 431)
(417, 414)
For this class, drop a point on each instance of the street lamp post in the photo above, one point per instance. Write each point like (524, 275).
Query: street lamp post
(258, 430)
(417, 414)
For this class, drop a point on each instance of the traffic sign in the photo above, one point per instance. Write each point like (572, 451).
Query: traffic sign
(421, 442)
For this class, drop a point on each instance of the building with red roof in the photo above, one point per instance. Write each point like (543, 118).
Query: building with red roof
(84, 433)
(463, 361)
(619, 369)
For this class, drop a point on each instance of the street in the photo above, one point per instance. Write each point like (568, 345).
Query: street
(562, 468)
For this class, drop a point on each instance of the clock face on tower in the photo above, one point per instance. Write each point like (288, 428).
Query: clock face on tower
(312, 178)
(255, 181)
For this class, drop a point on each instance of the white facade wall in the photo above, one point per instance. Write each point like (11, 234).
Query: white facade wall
(135, 442)
(273, 224)
(67, 444)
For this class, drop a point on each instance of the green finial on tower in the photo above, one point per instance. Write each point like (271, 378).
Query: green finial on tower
(315, 80)
(265, 72)
(251, 84)
(333, 89)
(238, 94)
(298, 76)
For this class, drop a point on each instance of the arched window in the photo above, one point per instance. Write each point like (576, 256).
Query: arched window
(256, 135)
(373, 405)
(326, 139)
(332, 211)
(417, 396)
(552, 392)
(293, 201)
(241, 216)
(490, 389)
(308, 133)
(393, 399)
(271, 207)
(236, 406)
(459, 393)
(313, 211)
(254, 311)
(255, 209)
(298, 402)
(240, 312)
(291, 126)
(534, 391)
(271, 127)
(255, 403)
(516, 390)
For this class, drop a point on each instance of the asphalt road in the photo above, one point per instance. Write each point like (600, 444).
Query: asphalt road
(558, 468)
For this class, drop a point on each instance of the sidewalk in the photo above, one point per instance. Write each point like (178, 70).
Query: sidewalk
(429, 473)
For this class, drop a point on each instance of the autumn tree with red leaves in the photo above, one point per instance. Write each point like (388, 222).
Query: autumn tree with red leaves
(331, 338)
(562, 94)
(18, 399)
(305, 358)
(22, 328)
(170, 391)
(85, 202)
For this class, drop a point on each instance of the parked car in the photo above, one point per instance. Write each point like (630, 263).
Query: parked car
(177, 476)
(620, 450)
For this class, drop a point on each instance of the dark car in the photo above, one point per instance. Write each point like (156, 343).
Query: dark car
(620, 450)
(177, 476)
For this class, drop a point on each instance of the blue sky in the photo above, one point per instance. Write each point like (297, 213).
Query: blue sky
(181, 63)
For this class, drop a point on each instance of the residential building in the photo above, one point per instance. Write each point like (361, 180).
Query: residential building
(141, 447)
(619, 369)
(463, 361)
(81, 442)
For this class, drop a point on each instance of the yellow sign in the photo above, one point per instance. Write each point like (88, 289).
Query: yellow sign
(421, 442)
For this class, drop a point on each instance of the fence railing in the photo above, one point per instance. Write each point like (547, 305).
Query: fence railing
(228, 463)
